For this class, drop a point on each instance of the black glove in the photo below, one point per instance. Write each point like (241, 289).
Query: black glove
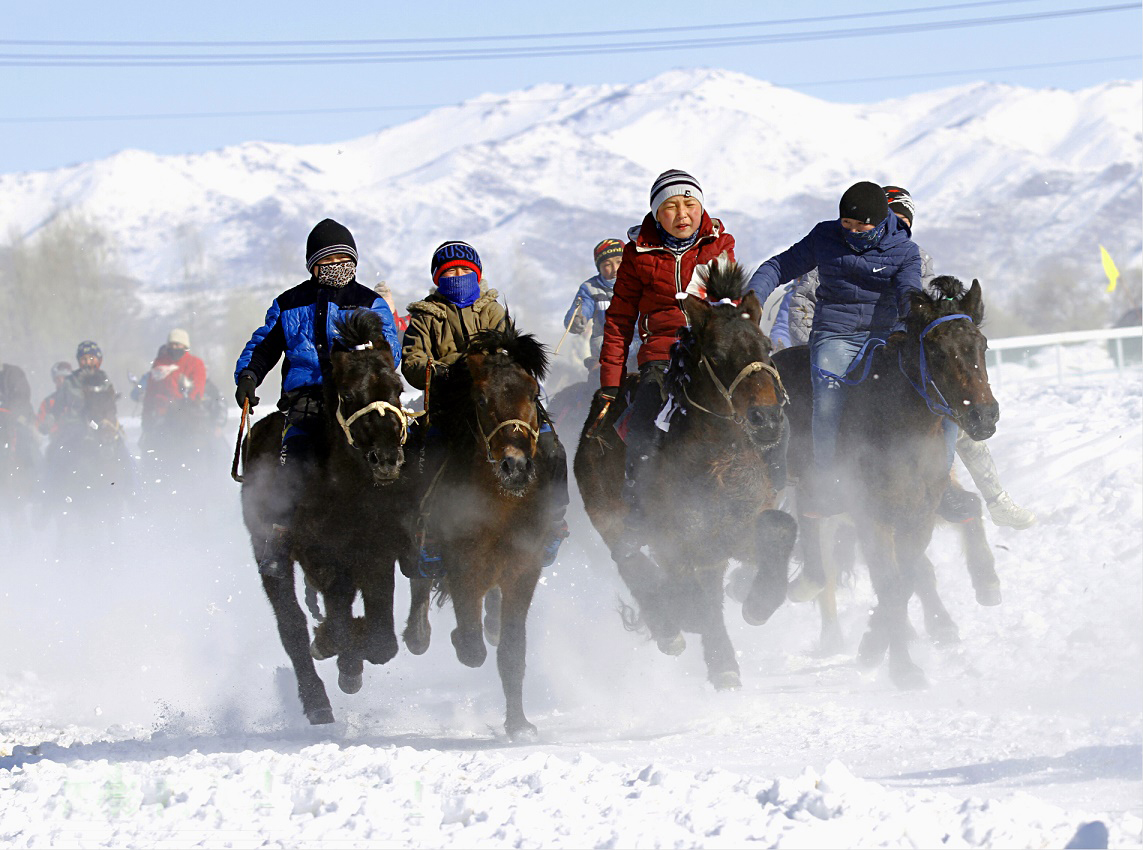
(609, 393)
(247, 383)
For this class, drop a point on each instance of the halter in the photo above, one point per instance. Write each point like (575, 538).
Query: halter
(382, 408)
(727, 393)
(940, 407)
(519, 424)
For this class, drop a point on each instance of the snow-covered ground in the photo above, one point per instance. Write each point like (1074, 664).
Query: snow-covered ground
(144, 701)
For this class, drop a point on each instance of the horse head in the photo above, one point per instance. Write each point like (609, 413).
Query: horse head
(505, 368)
(945, 356)
(721, 364)
(366, 395)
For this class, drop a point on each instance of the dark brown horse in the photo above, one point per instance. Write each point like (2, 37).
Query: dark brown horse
(346, 533)
(893, 456)
(710, 497)
(487, 505)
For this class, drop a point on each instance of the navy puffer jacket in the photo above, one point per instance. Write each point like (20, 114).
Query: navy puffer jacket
(856, 291)
(299, 324)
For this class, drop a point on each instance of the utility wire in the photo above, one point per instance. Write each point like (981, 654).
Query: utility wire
(388, 57)
(335, 110)
(510, 37)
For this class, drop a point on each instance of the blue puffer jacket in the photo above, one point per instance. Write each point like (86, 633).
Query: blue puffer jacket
(299, 324)
(857, 291)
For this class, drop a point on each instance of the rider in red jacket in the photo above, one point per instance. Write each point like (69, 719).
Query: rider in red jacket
(661, 260)
(175, 375)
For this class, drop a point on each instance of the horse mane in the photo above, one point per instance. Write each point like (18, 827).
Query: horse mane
(362, 327)
(521, 348)
(725, 281)
(941, 297)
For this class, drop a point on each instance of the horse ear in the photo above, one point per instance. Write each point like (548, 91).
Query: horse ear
(751, 307)
(973, 302)
(696, 310)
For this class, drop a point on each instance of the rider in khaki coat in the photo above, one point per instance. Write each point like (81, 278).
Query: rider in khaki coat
(439, 330)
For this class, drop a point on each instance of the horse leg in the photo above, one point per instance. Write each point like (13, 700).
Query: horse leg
(878, 545)
(334, 635)
(938, 622)
(652, 593)
(909, 544)
(294, 635)
(417, 629)
(775, 534)
(492, 605)
(717, 650)
(380, 638)
(468, 636)
(981, 562)
(512, 649)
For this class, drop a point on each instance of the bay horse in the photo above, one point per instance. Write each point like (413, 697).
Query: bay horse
(893, 457)
(346, 531)
(487, 506)
(710, 496)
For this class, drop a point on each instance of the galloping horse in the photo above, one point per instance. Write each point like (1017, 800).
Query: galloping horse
(710, 498)
(488, 505)
(344, 534)
(892, 446)
(19, 450)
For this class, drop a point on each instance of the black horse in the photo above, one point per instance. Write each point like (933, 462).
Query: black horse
(892, 448)
(711, 497)
(487, 506)
(346, 533)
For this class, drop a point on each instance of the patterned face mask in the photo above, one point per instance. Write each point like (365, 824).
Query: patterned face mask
(335, 275)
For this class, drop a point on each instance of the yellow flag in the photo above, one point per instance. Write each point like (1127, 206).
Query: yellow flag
(1109, 269)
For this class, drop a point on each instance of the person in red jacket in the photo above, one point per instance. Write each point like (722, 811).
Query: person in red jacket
(662, 258)
(175, 375)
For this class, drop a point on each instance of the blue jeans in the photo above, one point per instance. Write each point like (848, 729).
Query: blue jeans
(836, 352)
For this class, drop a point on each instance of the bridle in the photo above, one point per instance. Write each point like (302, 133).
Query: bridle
(382, 408)
(939, 406)
(519, 424)
(727, 393)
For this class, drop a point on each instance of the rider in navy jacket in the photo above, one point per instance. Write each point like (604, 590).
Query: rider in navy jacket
(300, 325)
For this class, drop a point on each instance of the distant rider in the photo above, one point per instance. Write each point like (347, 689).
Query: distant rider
(589, 306)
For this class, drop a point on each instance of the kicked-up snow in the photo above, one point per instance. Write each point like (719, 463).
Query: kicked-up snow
(144, 698)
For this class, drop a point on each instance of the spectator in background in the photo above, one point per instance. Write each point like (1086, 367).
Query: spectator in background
(589, 306)
(46, 422)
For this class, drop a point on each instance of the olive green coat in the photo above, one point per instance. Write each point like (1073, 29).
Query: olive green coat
(439, 330)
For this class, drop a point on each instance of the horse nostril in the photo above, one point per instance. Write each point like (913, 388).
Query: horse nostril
(372, 457)
(761, 417)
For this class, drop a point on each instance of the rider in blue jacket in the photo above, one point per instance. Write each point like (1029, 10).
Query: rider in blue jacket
(867, 265)
(300, 325)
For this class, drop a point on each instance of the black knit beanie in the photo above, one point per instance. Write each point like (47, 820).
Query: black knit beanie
(901, 202)
(327, 238)
(864, 202)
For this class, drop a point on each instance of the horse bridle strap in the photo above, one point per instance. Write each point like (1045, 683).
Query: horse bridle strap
(939, 407)
(520, 424)
(382, 408)
(728, 392)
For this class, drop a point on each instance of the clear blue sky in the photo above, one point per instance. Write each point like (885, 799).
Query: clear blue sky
(52, 116)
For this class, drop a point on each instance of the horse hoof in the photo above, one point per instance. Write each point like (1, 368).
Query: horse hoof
(470, 653)
(872, 649)
(417, 645)
(381, 651)
(492, 631)
(739, 581)
(317, 653)
(908, 677)
(350, 683)
(803, 589)
(727, 680)
(522, 732)
(320, 716)
(988, 594)
(673, 645)
(757, 608)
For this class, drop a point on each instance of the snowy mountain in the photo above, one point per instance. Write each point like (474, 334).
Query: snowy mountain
(1008, 180)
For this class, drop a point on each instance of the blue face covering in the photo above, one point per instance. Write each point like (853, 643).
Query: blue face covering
(674, 245)
(862, 242)
(462, 290)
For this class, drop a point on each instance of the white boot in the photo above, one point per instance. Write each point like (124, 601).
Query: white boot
(1006, 512)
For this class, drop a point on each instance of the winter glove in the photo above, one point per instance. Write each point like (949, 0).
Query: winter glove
(578, 324)
(609, 393)
(247, 383)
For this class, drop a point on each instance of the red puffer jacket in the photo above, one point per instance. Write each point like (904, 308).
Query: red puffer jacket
(649, 278)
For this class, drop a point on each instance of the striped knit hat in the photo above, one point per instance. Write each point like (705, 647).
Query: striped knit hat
(901, 202)
(328, 238)
(449, 255)
(671, 183)
(607, 249)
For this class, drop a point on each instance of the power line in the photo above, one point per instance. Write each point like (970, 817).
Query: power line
(260, 113)
(388, 57)
(509, 37)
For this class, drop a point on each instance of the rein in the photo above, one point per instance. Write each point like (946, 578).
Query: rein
(727, 393)
(519, 424)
